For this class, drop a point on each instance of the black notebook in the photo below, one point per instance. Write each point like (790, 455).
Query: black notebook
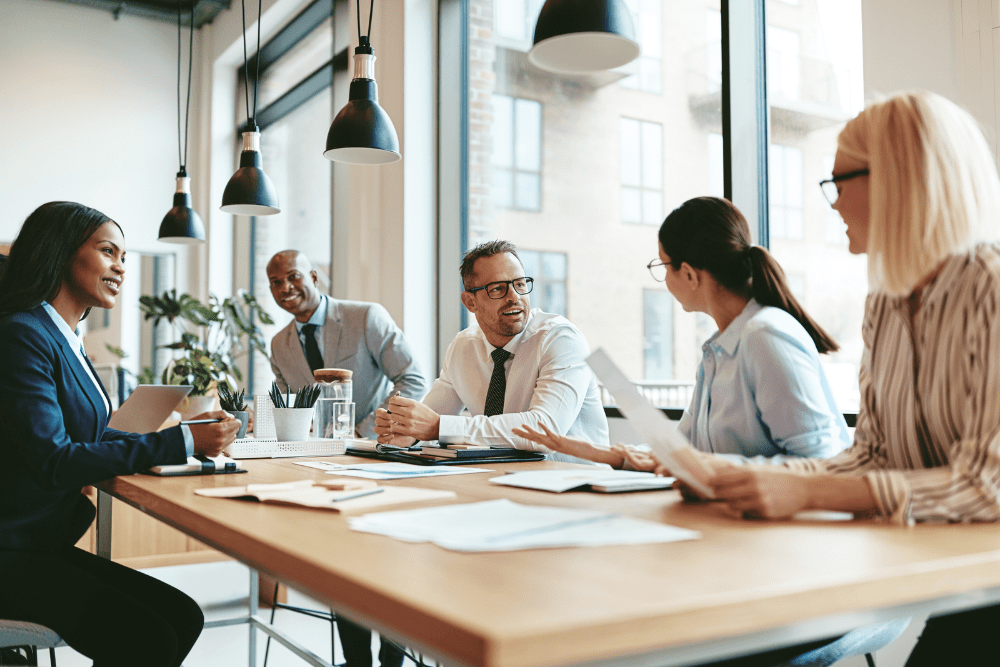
(508, 455)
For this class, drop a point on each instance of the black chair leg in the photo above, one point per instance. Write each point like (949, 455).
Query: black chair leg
(868, 656)
(274, 608)
(52, 656)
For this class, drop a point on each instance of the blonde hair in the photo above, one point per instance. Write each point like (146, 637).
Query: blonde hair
(933, 186)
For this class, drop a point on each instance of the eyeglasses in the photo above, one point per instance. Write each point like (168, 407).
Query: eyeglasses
(498, 290)
(829, 186)
(658, 270)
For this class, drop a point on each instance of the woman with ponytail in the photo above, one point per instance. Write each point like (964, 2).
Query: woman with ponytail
(760, 391)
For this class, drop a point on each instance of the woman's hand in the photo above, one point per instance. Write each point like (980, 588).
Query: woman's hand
(638, 459)
(572, 446)
(211, 439)
(762, 493)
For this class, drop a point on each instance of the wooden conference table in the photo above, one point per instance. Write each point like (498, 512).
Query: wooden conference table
(743, 586)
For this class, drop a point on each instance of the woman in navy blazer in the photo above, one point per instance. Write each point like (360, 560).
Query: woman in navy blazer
(54, 440)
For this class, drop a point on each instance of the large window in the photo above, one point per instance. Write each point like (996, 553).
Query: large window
(658, 334)
(648, 68)
(517, 153)
(609, 163)
(785, 192)
(642, 171)
(814, 66)
(549, 271)
(295, 109)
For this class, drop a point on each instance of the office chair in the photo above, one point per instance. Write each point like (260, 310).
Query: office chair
(860, 641)
(29, 637)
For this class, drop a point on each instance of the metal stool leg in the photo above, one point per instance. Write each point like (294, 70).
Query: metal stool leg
(274, 608)
(871, 659)
(52, 656)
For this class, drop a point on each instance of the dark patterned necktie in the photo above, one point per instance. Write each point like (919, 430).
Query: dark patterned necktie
(313, 355)
(498, 384)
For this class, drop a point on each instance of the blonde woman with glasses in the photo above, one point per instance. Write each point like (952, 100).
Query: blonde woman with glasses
(917, 186)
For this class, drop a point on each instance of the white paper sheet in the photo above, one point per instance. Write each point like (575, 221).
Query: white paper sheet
(502, 525)
(668, 445)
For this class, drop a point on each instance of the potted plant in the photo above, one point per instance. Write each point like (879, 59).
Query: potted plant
(234, 404)
(207, 358)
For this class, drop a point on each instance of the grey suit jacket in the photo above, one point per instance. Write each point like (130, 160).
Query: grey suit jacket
(361, 337)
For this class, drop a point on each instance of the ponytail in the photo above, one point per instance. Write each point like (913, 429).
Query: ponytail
(769, 288)
(711, 234)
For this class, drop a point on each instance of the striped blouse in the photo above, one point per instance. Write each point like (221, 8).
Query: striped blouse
(928, 432)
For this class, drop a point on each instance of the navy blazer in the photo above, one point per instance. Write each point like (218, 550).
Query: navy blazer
(54, 438)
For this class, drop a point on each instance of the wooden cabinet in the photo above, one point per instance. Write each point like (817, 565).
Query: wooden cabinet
(140, 541)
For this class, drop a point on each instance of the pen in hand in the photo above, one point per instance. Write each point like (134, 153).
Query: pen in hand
(200, 421)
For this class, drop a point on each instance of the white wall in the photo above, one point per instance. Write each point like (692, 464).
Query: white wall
(88, 113)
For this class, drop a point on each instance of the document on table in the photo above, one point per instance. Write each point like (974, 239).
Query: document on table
(609, 481)
(386, 470)
(502, 525)
(668, 445)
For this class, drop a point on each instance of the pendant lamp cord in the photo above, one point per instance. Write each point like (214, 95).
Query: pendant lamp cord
(366, 40)
(246, 68)
(182, 155)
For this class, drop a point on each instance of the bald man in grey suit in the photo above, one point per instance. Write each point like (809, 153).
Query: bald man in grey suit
(330, 333)
(361, 337)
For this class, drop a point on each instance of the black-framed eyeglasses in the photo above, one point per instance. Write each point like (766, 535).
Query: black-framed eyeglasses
(829, 186)
(498, 289)
(658, 270)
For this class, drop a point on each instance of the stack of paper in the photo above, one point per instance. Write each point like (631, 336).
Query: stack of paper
(502, 525)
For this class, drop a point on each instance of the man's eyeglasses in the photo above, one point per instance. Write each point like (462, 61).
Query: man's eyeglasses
(498, 290)
(829, 186)
(658, 270)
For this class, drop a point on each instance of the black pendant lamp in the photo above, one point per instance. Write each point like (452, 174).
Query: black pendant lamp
(250, 191)
(182, 223)
(583, 36)
(362, 133)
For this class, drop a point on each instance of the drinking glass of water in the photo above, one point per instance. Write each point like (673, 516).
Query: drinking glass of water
(343, 420)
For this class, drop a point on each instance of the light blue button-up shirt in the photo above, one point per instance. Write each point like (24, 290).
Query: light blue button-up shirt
(761, 391)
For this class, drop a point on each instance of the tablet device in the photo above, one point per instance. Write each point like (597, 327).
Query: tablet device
(148, 407)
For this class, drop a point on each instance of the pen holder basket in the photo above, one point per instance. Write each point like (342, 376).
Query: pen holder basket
(263, 418)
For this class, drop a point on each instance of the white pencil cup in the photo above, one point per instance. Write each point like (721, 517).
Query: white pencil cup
(292, 424)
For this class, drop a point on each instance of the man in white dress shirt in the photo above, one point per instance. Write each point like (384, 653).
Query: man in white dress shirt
(514, 366)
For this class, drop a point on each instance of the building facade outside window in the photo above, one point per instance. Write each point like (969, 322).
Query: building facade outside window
(658, 334)
(603, 215)
(517, 153)
(549, 271)
(647, 70)
(785, 192)
(641, 171)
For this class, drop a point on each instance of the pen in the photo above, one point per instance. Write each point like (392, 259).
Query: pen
(388, 411)
(366, 492)
(200, 421)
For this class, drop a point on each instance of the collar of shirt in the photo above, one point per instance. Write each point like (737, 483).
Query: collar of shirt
(74, 340)
(318, 317)
(512, 344)
(727, 341)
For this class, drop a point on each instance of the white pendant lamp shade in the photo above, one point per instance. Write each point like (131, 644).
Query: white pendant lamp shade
(583, 36)
(363, 133)
(182, 224)
(250, 191)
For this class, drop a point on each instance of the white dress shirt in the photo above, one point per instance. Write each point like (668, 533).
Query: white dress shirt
(319, 319)
(548, 382)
